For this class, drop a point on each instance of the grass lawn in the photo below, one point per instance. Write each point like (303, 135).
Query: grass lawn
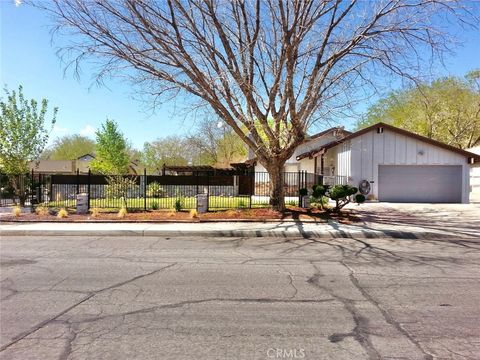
(214, 203)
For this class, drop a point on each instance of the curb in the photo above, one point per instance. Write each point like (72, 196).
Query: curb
(306, 234)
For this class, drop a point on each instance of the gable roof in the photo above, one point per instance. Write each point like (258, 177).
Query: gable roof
(338, 129)
(322, 149)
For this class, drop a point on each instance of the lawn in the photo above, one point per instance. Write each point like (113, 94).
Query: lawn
(214, 202)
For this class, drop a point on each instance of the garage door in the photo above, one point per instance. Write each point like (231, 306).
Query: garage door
(431, 183)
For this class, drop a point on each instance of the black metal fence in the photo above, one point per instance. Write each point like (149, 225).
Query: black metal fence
(150, 192)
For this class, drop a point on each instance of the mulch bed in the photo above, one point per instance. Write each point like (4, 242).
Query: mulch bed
(253, 215)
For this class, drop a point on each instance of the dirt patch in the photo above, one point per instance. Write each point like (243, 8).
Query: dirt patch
(292, 213)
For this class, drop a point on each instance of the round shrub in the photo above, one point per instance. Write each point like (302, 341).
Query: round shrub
(359, 198)
(303, 192)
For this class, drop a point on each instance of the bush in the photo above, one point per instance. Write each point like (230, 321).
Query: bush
(155, 205)
(17, 211)
(120, 187)
(41, 210)
(95, 212)
(122, 213)
(178, 204)
(62, 213)
(155, 190)
(341, 195)
(303, 192)
(359, 198)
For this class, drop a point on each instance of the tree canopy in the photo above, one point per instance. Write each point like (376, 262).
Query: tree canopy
(69, 147)
(446, 110)
(111, 152)
(24, 130)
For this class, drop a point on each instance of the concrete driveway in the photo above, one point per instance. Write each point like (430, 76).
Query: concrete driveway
(239, 298)
(461, 219)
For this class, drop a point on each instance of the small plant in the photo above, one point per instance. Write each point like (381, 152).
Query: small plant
(359, 198)
(292, 202)
(17, 211)
(303, 192)
(178, 204)
(62, 213)
(41, 210)
(122, 212)
(193, 214)
(155, 205)
(242, 204)
(155, 190)
(95, 212)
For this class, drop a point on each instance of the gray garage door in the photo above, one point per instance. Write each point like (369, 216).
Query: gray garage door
(432, 184)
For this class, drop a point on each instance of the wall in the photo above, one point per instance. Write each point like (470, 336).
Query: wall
(358, 159)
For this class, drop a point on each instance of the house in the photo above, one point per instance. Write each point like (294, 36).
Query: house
(475, 177)
(388, 164)
(68, 167)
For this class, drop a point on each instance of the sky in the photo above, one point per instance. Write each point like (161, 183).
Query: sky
(28, 57)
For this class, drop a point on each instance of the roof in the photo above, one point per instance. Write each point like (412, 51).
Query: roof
(322, 149)
(338, 129)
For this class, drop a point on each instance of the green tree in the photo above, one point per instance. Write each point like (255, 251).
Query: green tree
(24, 133)
(446, 110)
(111, 155)
(171, 150)
(69, 147)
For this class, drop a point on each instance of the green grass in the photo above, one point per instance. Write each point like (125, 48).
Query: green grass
(214, 203)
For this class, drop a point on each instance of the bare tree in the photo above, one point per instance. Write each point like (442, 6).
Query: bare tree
(268, 68)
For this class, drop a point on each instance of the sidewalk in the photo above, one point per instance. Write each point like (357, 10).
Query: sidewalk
(291, 229)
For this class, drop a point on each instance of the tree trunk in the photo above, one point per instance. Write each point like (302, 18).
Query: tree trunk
(277, 193)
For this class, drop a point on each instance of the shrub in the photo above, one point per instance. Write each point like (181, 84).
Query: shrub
(303, 192)
(122, 213)
(95, 212)
(120, 187)
(17, 211)
(62, 213)
(193, 214)
(178, 204)
(155, 190)
(155, 205)
(341, 195)
(41, 210)
(359, 198)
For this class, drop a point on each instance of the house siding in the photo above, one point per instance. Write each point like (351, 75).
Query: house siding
(359, 158)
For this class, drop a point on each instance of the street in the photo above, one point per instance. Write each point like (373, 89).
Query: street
(239, 298)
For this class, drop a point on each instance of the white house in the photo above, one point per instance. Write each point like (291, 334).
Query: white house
(475, 177)
(391, 164)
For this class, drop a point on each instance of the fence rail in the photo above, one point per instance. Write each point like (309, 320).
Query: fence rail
(149, 192)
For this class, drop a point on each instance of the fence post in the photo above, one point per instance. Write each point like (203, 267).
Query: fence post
(299, 187)
(78, 182)
(88, 189)
(31, 190)
(144, 189)
(208, 189)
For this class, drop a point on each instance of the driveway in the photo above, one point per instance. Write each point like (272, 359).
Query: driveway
(462, 219)
(239, 298)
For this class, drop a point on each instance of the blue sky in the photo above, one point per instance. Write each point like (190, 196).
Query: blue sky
(28, 57)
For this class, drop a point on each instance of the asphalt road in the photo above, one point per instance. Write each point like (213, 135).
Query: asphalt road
(232, 298)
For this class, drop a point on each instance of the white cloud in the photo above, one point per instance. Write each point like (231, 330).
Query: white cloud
(88, 130)
(18, 3)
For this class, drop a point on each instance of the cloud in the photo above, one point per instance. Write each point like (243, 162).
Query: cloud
(88, 130)
(18, 3)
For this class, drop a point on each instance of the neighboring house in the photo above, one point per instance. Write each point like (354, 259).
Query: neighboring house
(66, 167)
(397, 165)
(475, 177)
